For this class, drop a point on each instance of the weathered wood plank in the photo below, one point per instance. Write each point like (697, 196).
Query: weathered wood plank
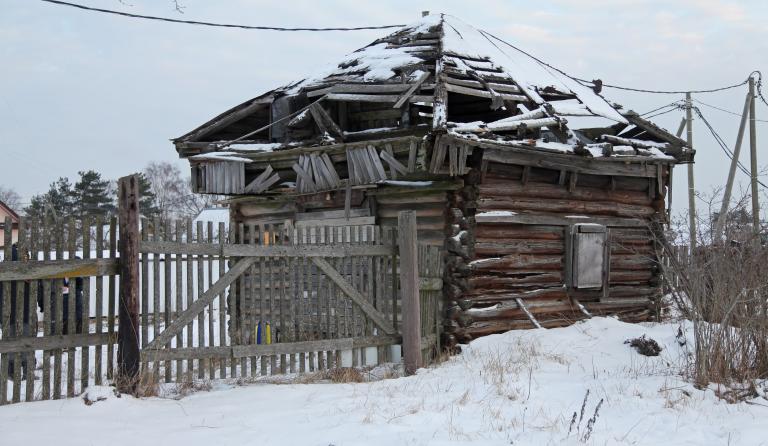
(52, 342)
(57, 269)
(198, 305)
(353, 294)
(242, 250)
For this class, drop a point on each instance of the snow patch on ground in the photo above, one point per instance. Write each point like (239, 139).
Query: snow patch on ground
(520, 387)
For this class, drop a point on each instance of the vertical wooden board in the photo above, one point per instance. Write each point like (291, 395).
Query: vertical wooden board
(167, 296)
(300, 304)
(463, 153)
(190, 297)
(31, 237)
(112, 300)
(242, 311)
(144, 296)
(252, 319)
(144, 288)
(6, 314)
(331, 169)
(47, 235)
(283, 280)
(99, 321)
(222, 304)
(409, 280)
(19, 310)
(156, 235)
(71, 309)
(211, 311)
(179, 295)
(261, 322)
(86, 310)
(202, 365)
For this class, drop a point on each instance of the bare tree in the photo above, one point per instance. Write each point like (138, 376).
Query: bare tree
(173, 193)
(11, 198)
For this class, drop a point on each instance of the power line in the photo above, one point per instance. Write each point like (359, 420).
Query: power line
(594, 84)
(725, 111)
(672, 104)
(722, 144)
(219, 25)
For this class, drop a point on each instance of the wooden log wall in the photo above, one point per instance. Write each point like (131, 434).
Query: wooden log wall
(503, 275)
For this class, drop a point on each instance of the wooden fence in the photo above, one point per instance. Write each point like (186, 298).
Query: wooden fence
(331, 297)
(299, 288)
(70, 340)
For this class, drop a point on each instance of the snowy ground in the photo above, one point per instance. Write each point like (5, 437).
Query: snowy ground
(521, 388)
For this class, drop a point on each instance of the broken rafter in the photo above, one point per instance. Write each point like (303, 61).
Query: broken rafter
(364, 88)
(394, 164)
(504, 125)
(411, 90)
(324, 120)
(485, 93)
(262, 182)
(375, 98)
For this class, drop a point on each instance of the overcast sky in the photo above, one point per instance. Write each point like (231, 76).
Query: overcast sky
(81, 90)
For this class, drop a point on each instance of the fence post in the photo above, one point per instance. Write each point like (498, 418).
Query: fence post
(409, 285)
(128, 313)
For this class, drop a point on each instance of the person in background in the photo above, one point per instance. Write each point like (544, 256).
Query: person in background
(26, 318)
(67, 290)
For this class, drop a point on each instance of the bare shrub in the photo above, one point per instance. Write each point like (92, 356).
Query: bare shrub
(721, 286)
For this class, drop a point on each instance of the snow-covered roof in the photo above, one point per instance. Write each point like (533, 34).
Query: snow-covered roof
(443, 53)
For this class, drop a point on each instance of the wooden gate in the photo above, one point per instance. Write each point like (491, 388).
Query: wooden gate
(271, 299)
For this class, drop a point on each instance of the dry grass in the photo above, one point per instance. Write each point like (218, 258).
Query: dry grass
(722, 288)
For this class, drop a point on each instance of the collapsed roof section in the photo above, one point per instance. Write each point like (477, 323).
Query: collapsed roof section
(439, 75)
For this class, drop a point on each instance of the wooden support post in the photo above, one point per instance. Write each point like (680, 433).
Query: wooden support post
(128, 332)
(753, 159)
(691, 184)
(732, 171)
(409, 285)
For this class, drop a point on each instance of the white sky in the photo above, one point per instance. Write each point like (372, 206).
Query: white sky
(82, 90)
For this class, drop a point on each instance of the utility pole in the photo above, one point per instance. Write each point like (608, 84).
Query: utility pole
(753, 158)
(732, 171)
(691, 187)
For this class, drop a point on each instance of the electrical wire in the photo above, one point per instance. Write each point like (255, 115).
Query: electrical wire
(672, 104)
(722, 144)
(219, 25)
(593, 84)
(725, 111)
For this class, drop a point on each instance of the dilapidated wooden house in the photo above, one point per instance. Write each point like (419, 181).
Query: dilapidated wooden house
(543, 196)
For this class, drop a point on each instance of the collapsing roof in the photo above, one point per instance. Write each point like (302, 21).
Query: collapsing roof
(439, 75)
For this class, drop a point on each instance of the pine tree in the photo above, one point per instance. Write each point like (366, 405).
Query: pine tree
(148, 200)
(57, 203)
(93, 195)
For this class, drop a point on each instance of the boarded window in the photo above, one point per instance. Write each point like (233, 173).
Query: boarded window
(588, 255)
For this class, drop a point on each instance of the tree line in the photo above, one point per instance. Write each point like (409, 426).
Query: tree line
(164, 192)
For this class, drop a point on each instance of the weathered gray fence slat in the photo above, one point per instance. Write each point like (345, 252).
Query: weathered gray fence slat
(85, 351)
(5, 317)
(178, 297)
(98, 354)
(156, 235)
(46, 366)
(71, 310)
(167, 298)
(111, 307)
(211, 311)
(194, 308)
(356, 297)
(202, 363)
(222, 305)
(189, 261)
